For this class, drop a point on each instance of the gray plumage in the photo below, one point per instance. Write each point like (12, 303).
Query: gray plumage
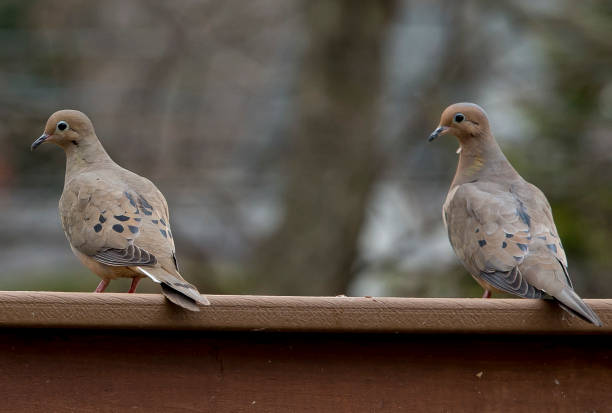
(117, 222)
(500, 226)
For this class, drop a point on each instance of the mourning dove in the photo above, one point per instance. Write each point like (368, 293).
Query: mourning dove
(117, 222)
(500, 226)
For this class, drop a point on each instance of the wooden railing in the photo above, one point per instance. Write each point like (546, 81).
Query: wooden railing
(116, 352)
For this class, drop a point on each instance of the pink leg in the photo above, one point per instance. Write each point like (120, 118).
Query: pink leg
(102, 286)
(486, 294)
(135, 281)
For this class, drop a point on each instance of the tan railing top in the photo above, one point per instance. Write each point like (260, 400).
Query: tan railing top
(306, 314)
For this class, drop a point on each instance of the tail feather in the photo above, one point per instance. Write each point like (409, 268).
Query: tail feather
(175, 289)
(178, 298)
(572, 303)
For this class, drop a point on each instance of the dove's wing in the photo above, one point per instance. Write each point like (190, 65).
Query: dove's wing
(490, 235)
(505, 236)
(112, 223)
(106, 218)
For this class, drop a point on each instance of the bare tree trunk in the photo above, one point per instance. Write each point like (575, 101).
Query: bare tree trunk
(335, 159)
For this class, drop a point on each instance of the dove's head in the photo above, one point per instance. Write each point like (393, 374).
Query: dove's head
(466, 121)
(65, 128)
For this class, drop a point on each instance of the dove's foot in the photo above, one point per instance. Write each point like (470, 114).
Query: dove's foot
(134, 284)
(102, 286)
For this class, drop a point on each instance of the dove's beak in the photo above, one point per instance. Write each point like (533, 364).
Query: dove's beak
(440, 131)
(39, 141)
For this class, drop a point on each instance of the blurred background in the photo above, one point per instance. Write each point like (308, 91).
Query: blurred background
(289, 137)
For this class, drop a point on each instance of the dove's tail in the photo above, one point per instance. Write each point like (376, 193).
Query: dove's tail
(177, 290)
(570, 302)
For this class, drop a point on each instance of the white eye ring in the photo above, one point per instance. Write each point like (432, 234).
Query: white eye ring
(62, 125)
(459, 117)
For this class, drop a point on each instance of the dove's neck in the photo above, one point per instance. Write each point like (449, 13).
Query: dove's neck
(483, 159)
(87, 154)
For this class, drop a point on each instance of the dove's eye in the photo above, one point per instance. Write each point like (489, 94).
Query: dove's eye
(459, 117)
(61, 125)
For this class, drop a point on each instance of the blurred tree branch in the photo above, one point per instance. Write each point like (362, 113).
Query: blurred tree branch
(335, 157)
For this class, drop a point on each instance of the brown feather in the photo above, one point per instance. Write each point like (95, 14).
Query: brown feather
(500, 226)
(117, 222)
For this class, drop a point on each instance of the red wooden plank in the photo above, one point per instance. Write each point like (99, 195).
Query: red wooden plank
(163, 371)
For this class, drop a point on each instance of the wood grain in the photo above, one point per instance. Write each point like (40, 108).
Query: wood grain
(80, 370)
(298, 314)
(67, 352)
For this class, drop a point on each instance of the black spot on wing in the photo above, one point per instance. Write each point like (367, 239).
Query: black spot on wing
(523, 247)
(131, 199)
(504, 244)
(163, 232)
(552, 247)
(144, 202)
(118, 228)
(137, 219)
(509, 235)
(162, 222)
(175, 261)
(133, 229)
(144, 205)
(97, 227)
(169, 234)
(155, 221)
(482, 242)
(102, 219)
(542, 237)
(477, 230)
(121, 218)
(522, 213)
